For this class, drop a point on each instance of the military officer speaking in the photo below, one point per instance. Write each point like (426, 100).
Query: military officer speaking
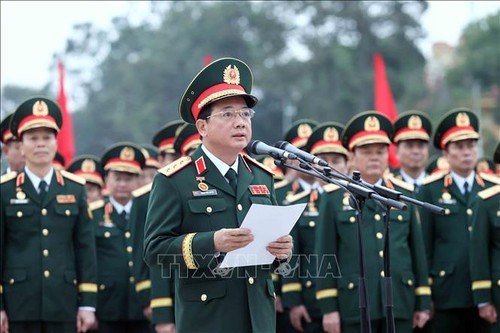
(48, 268)
(367, 137)
(197, 204)
(447, 237)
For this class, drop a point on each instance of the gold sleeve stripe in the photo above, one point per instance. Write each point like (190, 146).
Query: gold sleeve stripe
(325, 293)
(143, 285)
(187, 251)
(483, 284)
(289, 287)
(87, 287)
(161, 302)
(423, 291)
(275, 277)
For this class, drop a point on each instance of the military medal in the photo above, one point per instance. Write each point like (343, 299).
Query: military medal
(446, 196)
(202, 186)
(345, 201)
(21, 195)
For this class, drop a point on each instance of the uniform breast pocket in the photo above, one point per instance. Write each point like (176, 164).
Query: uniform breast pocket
(399, 216)
(203, 292)
(348, 217)
(19, 212)
(261, 200)
(207, 206)
(66, 210)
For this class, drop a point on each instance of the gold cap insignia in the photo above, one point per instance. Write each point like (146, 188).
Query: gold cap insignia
(127, 153)
(88, 165)
(304, 130)
(482, 166)
(331, 134)
(414, 122)
(372, 124)
(40, 108)
(231, 75)
(462, 119)
(442, 163)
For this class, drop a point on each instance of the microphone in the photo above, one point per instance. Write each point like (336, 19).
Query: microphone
(260, 148)
(300, 153)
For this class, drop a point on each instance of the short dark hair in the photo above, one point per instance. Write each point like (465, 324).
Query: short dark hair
(205, 111)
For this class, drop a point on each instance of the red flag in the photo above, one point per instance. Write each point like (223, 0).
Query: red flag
(65, 139)
(207, 59)
(384, 102)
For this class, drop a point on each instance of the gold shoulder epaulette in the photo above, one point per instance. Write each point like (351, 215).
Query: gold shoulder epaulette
(175, 166)
(294, 197)
(489, 192)
(8, 176)
(401, 183)
(491, 178)
(432, 178)
(73, 177)
(142, 190)
(257, 163)
(330, 188)
(96, 205)
(281, 184)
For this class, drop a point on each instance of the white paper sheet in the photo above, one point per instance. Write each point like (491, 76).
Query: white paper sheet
(267, 223)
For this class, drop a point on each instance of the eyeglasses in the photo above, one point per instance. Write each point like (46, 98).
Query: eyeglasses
(230, 114)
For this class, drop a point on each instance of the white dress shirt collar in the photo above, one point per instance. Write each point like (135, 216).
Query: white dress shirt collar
(35, 180)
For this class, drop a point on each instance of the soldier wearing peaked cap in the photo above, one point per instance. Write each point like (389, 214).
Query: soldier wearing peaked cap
(437, 164)
(151, 165)
(47, 270)
(187, 140)
(11, 147)
(298, 290)
(214, 189)
(89, 167)
(164, 140)
(118, 305)
(447, 237)
(268, 161)
(367, 136)
(412, 134)
(59, 162)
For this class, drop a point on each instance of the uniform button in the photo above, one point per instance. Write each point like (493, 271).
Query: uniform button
(12, 281)
(203, 297)
(67, 212)
(442, 273)
(45, 232)
(352, 219)
(498, 283)
(130, 263)
(240, 207)
(129, 249)
(44, 211)
(251, 280)
(102, 287)
(107, 234)
(131, 279)
(380, 235)
(470, 229)
(498, 212)
(209, 209)
(446, 211)
(410, 283)
(312, 224)
(46, 274)
(377, 217)
(350, 285)
(308, 284)
(74, 282)
(382, 273)
(45, 253)
(469, 211)
(400, 217)
(381, 253)
(19, 214)
(127, 234)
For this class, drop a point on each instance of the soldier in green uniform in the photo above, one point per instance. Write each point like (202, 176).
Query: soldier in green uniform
(11, 147)
(412, 133)
(485, 253)
(118, 305)
(187, 140)
(152, 164)
(164, 140)
(298, 290)
(47, 268)
(447, 236)
(89, 167)
(198, 202)
(367, 137)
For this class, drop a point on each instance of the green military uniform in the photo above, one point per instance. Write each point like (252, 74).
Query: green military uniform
(485, 250)
(119, 308)
(191, 200)
(336, 235)
(48, 265)
(447, 236)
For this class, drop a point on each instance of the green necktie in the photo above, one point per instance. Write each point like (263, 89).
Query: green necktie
(232, 176)
(42, 190)
(466, 191)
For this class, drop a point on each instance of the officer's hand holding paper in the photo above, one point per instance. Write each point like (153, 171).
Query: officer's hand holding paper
(267, 224)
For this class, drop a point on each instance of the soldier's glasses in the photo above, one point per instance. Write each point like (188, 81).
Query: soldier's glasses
(230, 114)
